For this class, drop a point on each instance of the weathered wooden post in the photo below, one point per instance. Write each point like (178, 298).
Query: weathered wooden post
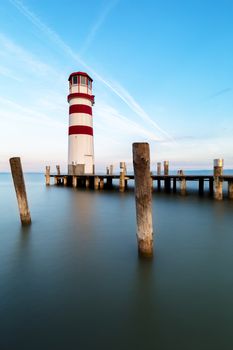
(218, 171)
(166, 167)
(183, 186)
(111, 170)
(74, 181)
(230, 189)
(159, 174)
(167, 181)
(87, 182)
(65, 180)
(122, 177)
(159, 168)
(143, 197)
(96, 183)
(58, 170)
(101, 183)
(18, 179)
(47, 175)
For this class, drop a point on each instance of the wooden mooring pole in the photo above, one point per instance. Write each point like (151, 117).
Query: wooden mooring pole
(47, 175)
(122, 177)
(18, 179)
(218, 171)
(143, 197)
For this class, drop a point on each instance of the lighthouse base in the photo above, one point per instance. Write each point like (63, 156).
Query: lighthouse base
(80, 169)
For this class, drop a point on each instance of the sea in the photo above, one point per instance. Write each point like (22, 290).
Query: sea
(73, 278)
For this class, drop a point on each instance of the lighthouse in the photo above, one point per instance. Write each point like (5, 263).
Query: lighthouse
(81, 148)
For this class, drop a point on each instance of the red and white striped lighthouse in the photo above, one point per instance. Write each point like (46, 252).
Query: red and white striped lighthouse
(81, 148)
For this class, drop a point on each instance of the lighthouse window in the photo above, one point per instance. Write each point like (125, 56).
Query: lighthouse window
(83, 80)
(89, 83)
(75, 80)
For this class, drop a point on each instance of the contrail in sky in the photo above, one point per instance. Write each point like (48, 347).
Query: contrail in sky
(121, 93)
(220, 92)
(97, 25)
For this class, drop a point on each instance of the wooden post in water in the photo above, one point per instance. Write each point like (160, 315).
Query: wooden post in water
(159, 173)
(18, 179)
(230, 189)
(74, 181)
(159, 168)
(65, 180)
(183, 186)
(143, 197)
(218, 171)
(111, 170)
(58, 170)
(166, 167)
(122, 177)
(87, 182)
(47, 175)
(96, 183)
(101, 183)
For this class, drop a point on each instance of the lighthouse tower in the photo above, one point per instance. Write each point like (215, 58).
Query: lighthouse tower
(81, 149)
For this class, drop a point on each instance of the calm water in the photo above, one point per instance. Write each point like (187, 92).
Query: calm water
(73, 280)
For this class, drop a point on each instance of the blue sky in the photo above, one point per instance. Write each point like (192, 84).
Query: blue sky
(162, 70)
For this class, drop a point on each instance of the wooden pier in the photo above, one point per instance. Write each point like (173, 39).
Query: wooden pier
(167, 183)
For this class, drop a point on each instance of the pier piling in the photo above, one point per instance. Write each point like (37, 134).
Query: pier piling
(58, 170)
(143, 197)
(230, 189)
(218, 171)
(96, 183)
(20, 189)
(47, 175)
(122, 177)
(166, 167)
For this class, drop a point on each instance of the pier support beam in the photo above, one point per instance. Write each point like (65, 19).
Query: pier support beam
(101, 182)
(201, 187)
(55, 180)
(143, 196)
(211, 186)
(218, 171)
(174, 184)
(230, 189)
(65, 180)
(183, 186)
(167, 184)
(159, 185)
(20, 189)
(96, 182)
(74, 181)
(47, 175)
(87, 182)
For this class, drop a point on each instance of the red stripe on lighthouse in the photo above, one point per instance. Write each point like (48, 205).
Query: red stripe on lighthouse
(80, 109)
(80, 130)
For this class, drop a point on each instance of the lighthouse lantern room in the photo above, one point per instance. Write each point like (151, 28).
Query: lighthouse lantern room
(81, 148)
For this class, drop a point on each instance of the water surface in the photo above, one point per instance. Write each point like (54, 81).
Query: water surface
(73, 280)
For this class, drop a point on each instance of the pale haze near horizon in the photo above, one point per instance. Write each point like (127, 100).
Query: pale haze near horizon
(162, 74)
